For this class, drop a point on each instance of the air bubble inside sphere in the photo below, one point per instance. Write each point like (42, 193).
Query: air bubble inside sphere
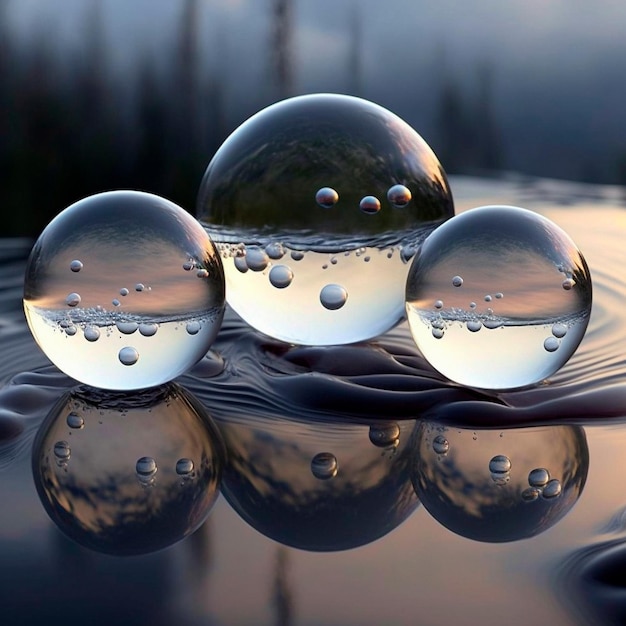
(317, 205)
(498, 298)
(109, 295)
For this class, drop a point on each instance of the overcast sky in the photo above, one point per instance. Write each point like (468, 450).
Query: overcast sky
(526, 30)
(565, 60)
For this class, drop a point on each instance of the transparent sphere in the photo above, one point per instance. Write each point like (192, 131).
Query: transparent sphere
(317, 204)
(498, 298)
(319, 486)
(152, 484)
(497, 486)
(124, 290)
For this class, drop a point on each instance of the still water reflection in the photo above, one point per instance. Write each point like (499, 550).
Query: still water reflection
(494, 485)
(134, 473)
(319, 485)
(127, 474)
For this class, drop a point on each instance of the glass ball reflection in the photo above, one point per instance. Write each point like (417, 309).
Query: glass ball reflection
(109, 297)
(487, 300)
(152, 484)
(498, 486)
(346, 190)
(282, 478)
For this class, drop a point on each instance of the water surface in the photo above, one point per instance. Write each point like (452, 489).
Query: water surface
(359, 486)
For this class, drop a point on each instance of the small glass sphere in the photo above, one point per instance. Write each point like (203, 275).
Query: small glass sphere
(529, 329)
(370, 205)
(399, 196)
(326, 197)
(152, 484)
(385, 435)
(317, 175)
(84, 260)
(324, 465)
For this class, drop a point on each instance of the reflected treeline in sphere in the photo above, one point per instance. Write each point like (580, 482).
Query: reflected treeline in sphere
(128, 474)
(319, 486)
(124, 290)
(499, 485)
(317, 203)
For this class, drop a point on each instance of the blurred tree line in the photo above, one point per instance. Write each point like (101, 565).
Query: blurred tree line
(70, 130)
(73, 127)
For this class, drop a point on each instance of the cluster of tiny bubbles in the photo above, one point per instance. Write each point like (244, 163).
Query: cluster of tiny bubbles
(480, 487)
(301, 196)
(153, 483)
(509, 319)
(94, 296)
(324, 465)
(500, 469)
(540, 484)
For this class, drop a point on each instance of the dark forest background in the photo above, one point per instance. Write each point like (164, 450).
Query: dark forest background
(70, 129)
(68, 132)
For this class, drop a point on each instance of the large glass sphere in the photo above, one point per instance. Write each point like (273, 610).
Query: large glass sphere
(498, 298)
(317, 204)
(124, 290)
(128, 474)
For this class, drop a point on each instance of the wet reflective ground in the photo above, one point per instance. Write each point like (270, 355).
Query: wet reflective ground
(346, 485)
